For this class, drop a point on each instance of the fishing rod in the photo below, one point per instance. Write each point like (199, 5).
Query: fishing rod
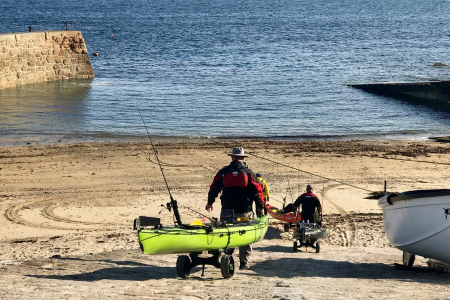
(214, 221)
(173, 203)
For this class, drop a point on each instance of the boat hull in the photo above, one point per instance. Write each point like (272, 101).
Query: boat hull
(279, 215)
(170, 240)
(418, 222)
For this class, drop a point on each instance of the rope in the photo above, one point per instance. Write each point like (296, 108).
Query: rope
(310, 173)
(166, 164)
(306, 172)
(229, 238)
(414, 161)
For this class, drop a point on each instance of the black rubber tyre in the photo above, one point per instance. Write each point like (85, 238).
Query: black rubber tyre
(227, 266)
(317, 247)
(287, 227)
(295, 248)
(408, 259)
(183, 266)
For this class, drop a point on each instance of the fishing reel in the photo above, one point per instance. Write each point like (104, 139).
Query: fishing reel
(173, 205)
(168, 206)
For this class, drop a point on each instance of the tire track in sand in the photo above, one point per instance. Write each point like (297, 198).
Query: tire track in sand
(47, 208)
(349, 234)
(48, 212)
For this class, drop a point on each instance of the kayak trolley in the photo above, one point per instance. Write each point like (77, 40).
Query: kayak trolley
(220, 259)
(307, 235)
(288, 226)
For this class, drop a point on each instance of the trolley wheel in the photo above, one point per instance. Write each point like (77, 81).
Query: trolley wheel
(408, 259)
(317, 247)
(183, 266)
(227, 266)
(287, 226)
(295, 248)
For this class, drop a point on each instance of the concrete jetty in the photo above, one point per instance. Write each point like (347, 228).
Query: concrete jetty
(434, 94)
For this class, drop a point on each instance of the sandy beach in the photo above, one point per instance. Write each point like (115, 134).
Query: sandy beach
(68, 211)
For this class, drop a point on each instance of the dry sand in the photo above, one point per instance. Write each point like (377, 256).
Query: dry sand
(68, 210)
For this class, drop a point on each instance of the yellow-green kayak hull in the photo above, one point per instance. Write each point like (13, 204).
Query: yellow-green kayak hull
(189, 239)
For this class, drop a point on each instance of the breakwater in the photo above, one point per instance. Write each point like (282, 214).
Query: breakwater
(40, 56)
(434, 94)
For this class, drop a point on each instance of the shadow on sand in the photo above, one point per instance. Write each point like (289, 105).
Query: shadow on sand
(308, 267)
(274, 248)
(273, 233)
(95, 270)
(123, 270)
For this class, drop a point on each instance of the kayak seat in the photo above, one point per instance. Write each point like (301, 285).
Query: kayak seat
(227, 216)
(289, 208)
(312, 218)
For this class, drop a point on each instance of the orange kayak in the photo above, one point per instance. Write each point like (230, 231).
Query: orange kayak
(278, 214)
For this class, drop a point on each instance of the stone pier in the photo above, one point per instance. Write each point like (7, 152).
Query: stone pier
(40, 56)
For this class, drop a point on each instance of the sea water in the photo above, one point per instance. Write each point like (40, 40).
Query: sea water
(256, 69)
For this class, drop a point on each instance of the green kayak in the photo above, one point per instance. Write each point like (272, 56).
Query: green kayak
(197, 238)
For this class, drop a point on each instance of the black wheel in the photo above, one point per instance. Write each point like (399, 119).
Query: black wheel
(295, 248)
(183, 266)
(317, 247)
(227, 266)
(286, 227)
(408, 259)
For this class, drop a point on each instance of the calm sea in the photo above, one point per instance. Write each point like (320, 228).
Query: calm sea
(234, 68)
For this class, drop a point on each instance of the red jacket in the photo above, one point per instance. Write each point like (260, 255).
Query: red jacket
(239, 188)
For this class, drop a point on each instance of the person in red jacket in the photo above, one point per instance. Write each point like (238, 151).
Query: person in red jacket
(239, 189)
(309, 202)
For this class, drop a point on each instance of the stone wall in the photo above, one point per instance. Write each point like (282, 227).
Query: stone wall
(39, 56)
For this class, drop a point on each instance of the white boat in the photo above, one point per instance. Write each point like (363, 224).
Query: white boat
(418, 223)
